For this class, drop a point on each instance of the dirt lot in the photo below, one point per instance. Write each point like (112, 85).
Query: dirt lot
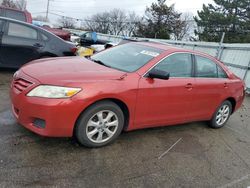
(199, 156)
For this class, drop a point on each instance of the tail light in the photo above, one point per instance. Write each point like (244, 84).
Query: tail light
(73, 50)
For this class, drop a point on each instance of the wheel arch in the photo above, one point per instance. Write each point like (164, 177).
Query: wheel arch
(233, 102)
(118, 102)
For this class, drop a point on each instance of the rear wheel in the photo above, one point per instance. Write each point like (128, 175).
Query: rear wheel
(221, 115)
(100, 124)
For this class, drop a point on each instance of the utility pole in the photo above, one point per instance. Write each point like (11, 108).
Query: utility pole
(47, 12)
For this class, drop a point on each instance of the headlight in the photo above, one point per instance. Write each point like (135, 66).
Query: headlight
(53, 92)
(15, 74)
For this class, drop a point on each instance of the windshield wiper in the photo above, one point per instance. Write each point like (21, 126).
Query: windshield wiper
(99, 62)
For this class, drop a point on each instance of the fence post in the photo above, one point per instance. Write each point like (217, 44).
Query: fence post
(248, 70)
(220, 48)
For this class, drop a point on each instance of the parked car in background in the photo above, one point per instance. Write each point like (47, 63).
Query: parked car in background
(65, 35)
(75, 38)
(21, 42)
(89, 38)
(127, 87)
(20, 15)
(100, 47)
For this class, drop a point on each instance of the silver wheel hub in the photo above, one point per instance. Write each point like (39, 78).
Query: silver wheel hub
(102, 126)
(223, 114)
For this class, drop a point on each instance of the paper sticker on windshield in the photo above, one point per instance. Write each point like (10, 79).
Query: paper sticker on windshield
(153, 54)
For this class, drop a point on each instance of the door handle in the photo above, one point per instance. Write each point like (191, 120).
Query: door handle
(38, 45)
(225, 85)
(189, 86)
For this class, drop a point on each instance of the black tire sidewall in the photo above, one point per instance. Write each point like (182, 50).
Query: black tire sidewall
(213, 122)
(80, 131)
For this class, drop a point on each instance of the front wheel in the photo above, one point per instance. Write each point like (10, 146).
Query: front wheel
(221, 115)
(100, 124)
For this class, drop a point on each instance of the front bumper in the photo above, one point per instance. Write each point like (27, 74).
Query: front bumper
(58, 116)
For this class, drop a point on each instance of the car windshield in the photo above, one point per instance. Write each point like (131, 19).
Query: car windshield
(127, 57)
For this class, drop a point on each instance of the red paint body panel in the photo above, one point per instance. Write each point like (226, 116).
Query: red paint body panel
(151, 102)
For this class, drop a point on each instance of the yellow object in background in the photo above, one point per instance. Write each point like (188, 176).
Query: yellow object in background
(83, 52)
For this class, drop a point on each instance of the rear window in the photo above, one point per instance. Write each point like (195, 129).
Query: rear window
(15, 15)
(127, 57)
(206, 68)
(18, 30)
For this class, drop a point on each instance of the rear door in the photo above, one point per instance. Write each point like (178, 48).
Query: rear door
(211, 85)
(20, 44)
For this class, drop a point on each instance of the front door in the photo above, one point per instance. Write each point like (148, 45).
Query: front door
(162, 102)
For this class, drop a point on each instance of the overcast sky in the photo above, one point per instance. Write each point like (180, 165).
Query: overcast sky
(83, 8)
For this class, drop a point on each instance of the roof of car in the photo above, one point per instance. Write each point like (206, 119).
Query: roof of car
(169, 47)
(160, 45)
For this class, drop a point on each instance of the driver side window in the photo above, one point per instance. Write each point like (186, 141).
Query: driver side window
(177, 65)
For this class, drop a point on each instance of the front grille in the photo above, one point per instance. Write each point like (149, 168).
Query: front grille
(21, 84)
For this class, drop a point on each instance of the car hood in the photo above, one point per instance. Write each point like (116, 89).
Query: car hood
(67, 70)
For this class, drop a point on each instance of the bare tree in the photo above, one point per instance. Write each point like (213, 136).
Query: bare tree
(99, 22)
(16, 4)
(182, 27)
(115, 22)
(118, 18)
(132, 24)
(66, 22)
(10, 4)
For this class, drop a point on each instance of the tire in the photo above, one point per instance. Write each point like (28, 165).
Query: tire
(221, 115)
(99, 125)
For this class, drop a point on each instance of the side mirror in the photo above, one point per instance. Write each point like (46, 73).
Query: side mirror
(158, 74)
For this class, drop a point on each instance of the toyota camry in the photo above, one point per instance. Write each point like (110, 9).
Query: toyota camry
(128, 87)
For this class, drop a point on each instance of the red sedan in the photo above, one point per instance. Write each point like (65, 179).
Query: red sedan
(128, 87)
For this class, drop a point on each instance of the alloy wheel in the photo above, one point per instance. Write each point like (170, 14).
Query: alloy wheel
(223, 114)
(102, 126)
